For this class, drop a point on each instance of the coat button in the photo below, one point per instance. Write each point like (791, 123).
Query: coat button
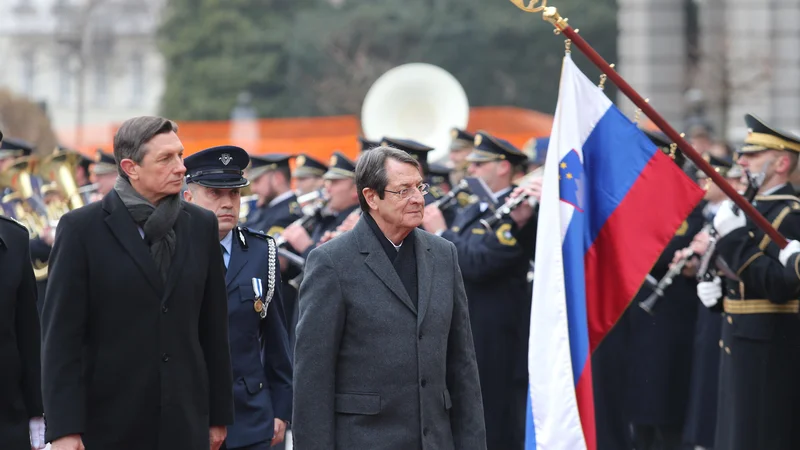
(164, 309)
(260, 385)
(730, 320)
(420, 335)
(165, 357)
(721, 344)
(728, 350)
(424, 382)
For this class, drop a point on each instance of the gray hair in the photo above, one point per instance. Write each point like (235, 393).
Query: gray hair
(371, 170)
(133, 134)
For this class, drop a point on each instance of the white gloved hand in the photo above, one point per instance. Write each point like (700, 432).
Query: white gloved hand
(36, 427)
(710, 292)
(787, 252)
(726, 220)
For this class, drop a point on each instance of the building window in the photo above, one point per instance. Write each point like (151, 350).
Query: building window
(137, 79)
(28, 73)
(100, 84)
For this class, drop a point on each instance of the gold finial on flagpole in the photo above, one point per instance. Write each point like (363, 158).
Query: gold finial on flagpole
(531, 6)
(639, 112)
(603, 78)
(568, 46)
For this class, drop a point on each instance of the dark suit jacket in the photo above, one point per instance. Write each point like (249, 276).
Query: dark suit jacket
(374, 371)
(20, 374)
(128, 360)
(262, 366)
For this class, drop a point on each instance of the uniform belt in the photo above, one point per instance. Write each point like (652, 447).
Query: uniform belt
(760, 307)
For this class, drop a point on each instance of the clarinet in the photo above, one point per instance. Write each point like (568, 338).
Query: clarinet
(511, 204)
(448, 200)
(311, 214)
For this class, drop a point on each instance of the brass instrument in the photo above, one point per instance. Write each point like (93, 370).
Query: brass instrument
(247, 203)
(450, 199)
(23, 202)
(512, 203)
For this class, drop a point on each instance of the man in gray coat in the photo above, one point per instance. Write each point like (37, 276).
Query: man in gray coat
(384, 358)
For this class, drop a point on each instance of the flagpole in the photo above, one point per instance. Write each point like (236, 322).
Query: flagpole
(551, 15)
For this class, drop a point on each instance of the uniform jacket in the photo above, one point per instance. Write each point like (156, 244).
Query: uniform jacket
(128, 360)
(374, 371)
(271, 219)
(20, 374)
(760, 362)
(262, 366)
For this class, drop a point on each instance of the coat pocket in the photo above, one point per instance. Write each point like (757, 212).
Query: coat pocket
(365, 404)
(254, 385)
(246, 292)
(446, 397)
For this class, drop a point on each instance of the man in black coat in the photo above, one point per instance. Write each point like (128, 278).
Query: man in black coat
(20, 371)
(135, 323)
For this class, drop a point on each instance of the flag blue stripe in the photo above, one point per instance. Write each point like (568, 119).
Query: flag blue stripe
(611, 173)
(530, 429)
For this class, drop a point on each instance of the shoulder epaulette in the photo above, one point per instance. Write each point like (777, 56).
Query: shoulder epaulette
(14, 221)
(256, 233)
(792, 201)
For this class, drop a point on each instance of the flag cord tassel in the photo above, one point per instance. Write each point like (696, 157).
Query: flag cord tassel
(550, 14)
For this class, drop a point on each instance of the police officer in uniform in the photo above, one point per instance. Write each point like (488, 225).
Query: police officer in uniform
(308, 174)
(260, 355)
(276, 208)
(659, 365)
(494, 264)
(340, 189)
(104, 173)
(21, 422)
(759, 393)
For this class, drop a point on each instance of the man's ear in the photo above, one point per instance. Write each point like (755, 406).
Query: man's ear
(130, 168)
(187, 195)
(371, 197)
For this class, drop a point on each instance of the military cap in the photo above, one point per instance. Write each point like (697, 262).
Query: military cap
(13, 147)
(438, 174)
(761, 136)
(218, 167)
(536, 150)
(722, 166)
(306, 166)
(366, 144)
(104, 163)
(340, 167)
(489, 148)
(417, 150)
(462, 140)
(261, 164)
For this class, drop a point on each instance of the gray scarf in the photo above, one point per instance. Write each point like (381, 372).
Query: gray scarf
(156, 221)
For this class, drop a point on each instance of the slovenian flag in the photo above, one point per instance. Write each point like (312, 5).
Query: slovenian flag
(611, 201)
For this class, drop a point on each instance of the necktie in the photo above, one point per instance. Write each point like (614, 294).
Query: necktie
(224, 260)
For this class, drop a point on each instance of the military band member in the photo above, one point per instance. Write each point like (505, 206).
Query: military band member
(495, 264)
(701, 415)
(760, 368)
(366, 144)
(340, 190)
(260, 355)
(660, 348)
(104, 172)
(308, 174)
(21, 421)
(460, 146)
(271, 179)
(12, 148)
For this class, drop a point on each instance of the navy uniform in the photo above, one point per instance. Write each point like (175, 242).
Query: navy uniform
(701, 414)
(259, 344)
(282, 211)
(340, 167)
(759, 396)
(494, 265)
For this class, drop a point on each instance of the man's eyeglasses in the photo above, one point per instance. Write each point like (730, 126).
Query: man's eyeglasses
(408, 192)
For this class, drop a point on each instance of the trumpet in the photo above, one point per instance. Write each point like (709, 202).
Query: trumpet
(511, 204)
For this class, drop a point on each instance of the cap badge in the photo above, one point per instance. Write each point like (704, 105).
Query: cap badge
(478, 140)
(301, 160)
(226, 159)
(333, 160)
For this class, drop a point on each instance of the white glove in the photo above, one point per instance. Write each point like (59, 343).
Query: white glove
(726, 220)
(787, 252)
(36, 427)
(710, 291)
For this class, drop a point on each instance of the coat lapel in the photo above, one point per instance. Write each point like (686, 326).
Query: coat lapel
(237, 262)
(377, 261)
(181, 252)
(124, 229)
(425, 269)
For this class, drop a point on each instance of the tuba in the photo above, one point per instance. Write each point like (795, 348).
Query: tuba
(415, 101)
(22, 203)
